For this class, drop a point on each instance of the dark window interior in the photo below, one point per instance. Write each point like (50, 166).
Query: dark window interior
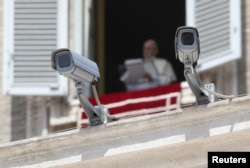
(128, 23)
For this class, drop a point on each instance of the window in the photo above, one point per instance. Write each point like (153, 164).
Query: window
(32, 30)
(219, 26)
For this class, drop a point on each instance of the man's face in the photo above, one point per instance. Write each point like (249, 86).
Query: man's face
(149, 49)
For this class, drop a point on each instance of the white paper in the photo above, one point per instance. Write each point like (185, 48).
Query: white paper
(135, 69)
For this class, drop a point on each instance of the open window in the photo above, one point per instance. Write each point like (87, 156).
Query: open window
(219, 26)
(32, 29)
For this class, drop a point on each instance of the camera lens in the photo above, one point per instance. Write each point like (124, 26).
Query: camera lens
(187, 38)
(64, 60)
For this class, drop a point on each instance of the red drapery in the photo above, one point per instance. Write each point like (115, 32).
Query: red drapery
(121, 98)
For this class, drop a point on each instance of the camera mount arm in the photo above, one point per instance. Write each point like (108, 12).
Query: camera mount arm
(94, 113)
(195, 85)
(84, 72)
(187, 49)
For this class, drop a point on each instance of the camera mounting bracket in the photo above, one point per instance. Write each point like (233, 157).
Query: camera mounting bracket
(195, 85)
(94, 114)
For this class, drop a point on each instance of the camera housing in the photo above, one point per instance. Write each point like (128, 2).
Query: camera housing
(187, 49)
(74, 66)
(84, 72)
(187, 45)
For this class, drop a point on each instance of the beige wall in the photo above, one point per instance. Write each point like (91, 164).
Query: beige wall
(246, 43)
(224, 77)
(5, 101)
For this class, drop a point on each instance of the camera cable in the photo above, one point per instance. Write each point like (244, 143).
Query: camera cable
(112, 117)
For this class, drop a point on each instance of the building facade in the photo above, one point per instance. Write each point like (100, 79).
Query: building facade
(33, 106)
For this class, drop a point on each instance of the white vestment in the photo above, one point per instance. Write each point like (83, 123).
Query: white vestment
(160, 70)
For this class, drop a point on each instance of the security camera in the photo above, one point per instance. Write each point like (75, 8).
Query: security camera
(187, 49)
(75, 66)
(187, 45)
(84, 72)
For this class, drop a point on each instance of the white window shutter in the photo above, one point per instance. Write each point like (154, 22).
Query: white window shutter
(219, 26)
(35, 28)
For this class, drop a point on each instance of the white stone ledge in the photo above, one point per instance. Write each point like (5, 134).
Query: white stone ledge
(191, 122)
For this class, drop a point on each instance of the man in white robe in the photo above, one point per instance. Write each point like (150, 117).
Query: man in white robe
(158, 71)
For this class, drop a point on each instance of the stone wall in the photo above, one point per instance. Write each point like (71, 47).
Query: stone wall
(244, 64)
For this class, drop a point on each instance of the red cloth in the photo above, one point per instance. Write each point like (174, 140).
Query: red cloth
(122, 96)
